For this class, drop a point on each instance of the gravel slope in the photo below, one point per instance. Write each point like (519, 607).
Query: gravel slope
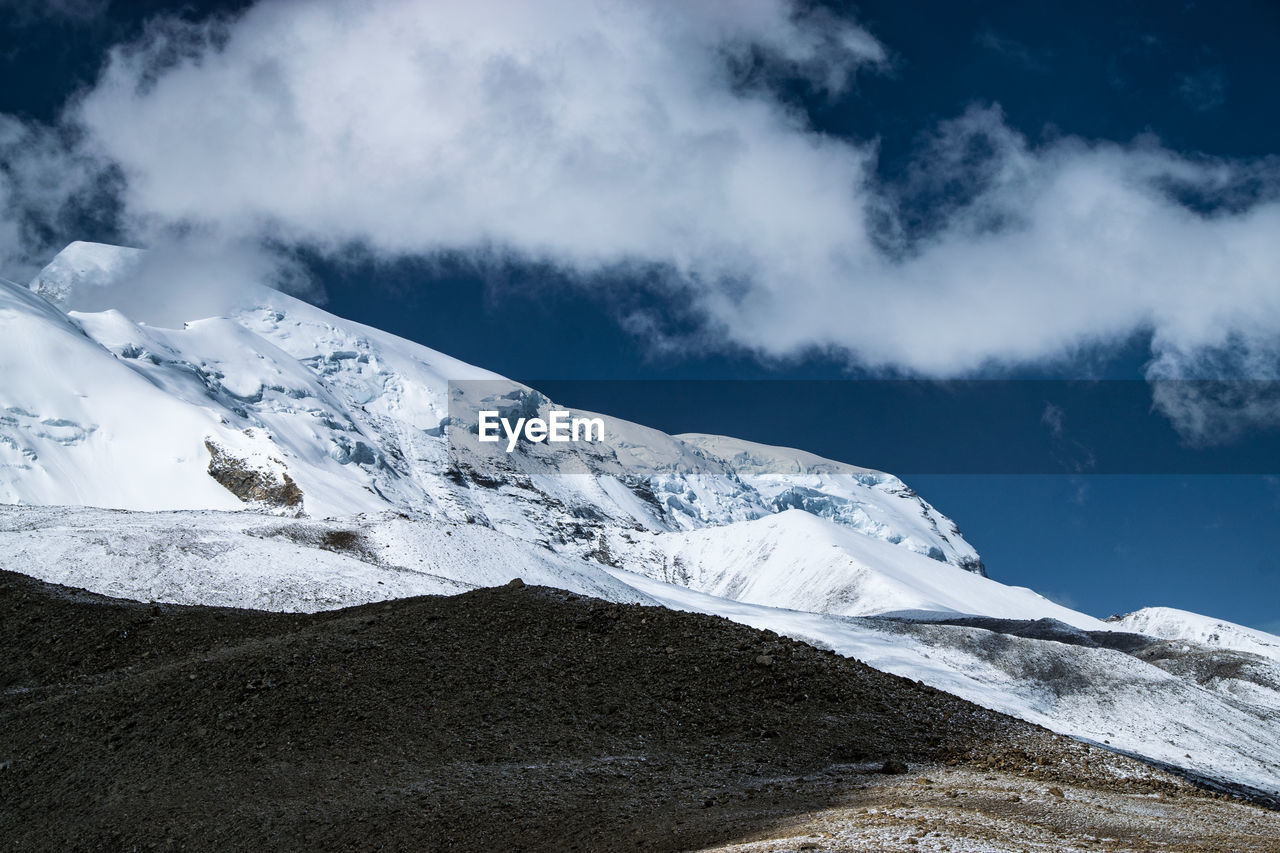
(511, 718)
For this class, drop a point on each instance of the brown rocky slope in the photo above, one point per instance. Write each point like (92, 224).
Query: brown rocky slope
(511, 718)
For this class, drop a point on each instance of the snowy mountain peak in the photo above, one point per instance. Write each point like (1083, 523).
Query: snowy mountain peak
(83, 265)
(801, 561)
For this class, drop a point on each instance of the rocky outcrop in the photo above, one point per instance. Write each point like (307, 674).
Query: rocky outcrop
(253, 484)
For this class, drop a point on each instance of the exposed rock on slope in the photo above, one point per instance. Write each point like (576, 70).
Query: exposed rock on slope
(254, 484)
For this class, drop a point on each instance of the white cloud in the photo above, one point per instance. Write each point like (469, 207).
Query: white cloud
(213, 277)
(588, 133)
(45, 182)
(602, 134)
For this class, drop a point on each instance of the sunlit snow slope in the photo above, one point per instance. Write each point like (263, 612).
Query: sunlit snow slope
(1169, 623)
(804, 562)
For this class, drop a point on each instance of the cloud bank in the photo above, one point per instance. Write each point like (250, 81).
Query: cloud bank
(603, 136)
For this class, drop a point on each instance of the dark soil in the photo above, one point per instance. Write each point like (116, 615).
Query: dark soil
(519, 718)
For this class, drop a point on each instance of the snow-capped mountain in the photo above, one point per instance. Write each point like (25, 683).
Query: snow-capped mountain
(280, 405)
(265, 453)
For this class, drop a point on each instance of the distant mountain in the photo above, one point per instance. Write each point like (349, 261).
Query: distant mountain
(1169, 623)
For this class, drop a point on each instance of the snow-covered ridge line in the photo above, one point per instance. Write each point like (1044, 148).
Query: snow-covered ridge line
(805, 562)
(797, 479)
(1169, 623)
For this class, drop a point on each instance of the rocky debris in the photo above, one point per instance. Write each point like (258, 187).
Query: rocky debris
(409, 724)
(343, 540)
(993, 812)
(252, 484)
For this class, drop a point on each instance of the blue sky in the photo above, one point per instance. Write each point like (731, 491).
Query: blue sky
(805, 192)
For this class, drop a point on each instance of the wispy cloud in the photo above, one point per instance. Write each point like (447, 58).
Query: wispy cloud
(1203, 90)
(1063, 599)
(1053, 417)
(1070, 453)
(23, 13)
(1012, 49)
(49, 183)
